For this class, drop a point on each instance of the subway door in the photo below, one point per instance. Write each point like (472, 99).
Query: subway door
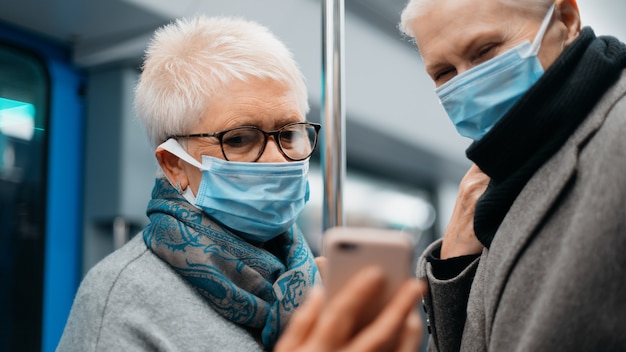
(40, 186)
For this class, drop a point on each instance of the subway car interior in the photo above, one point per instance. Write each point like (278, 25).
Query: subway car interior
(76, 167)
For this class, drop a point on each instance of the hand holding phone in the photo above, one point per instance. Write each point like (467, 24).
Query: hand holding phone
(349, 250)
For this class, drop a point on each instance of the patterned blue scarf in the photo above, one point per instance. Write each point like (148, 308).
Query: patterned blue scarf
(256, 287)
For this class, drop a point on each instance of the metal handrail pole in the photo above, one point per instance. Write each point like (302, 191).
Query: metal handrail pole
(333, 113)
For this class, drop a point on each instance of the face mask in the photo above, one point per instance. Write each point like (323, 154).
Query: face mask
(477, 99)
(259, 200)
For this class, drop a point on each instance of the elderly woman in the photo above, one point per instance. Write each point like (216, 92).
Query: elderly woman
(540, 265)
(222, 265)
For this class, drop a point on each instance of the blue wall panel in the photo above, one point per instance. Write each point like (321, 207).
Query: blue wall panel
(63, 244)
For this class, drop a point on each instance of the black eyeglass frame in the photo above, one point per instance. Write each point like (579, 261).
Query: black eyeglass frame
(220, 134)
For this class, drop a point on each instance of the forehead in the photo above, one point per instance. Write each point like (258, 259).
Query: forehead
(255, 102)
(448, 24)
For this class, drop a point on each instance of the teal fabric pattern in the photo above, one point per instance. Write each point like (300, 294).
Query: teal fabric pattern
(255, 287)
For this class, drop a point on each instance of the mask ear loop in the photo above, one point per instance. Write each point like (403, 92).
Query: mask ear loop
(534, 48)
(172, 146)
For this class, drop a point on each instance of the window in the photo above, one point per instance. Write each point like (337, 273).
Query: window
(23, 140)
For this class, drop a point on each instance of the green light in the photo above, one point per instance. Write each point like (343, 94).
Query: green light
(17, 118)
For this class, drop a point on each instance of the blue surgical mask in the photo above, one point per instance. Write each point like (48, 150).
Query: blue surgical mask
(477, 99)
(258, 200)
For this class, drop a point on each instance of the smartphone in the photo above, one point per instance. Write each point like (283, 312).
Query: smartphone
(350, 249)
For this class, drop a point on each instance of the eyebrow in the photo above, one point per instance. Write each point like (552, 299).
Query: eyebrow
(478, 39)
(287, 120)
(251, 120)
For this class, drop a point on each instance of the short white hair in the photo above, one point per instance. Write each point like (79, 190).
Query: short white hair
(416, 8)
(191, 59)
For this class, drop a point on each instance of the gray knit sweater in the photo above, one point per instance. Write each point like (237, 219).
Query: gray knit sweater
(133, 301)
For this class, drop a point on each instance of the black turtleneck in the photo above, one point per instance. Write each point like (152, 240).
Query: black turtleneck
(541, 122)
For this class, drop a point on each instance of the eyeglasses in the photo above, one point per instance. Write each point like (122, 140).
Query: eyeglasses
(296, 141)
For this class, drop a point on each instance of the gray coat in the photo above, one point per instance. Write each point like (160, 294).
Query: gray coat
(134, 301)
(554, 278)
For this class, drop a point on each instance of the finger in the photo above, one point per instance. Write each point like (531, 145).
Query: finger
(342, 312)
(384, 332)
(302, 322)
(411, 337)
(321, 265)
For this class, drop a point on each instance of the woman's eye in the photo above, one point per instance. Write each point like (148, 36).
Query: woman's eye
(485, 52)
(234, 141)
(287, 136)
(240, 139)
(444, 75)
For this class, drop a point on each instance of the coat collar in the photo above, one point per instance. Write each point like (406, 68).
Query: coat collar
(535, 201)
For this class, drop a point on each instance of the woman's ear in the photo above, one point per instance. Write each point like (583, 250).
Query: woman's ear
(172, 167)
(568, 14)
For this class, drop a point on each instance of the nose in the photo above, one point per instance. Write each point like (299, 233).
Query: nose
(271, 153)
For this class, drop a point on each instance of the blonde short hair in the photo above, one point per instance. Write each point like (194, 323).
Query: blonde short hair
(189, 60)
